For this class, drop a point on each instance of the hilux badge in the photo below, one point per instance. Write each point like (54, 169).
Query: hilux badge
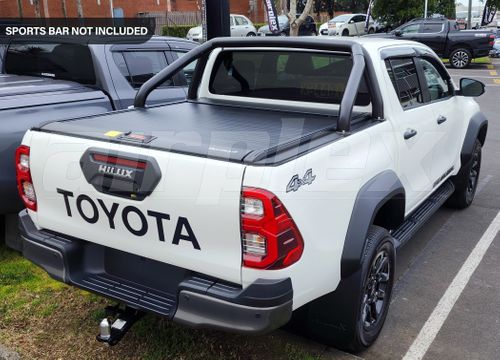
(112, 170)
(296, 182)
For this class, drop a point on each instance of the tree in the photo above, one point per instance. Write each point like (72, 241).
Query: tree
(64, 9)
(295, 21)
(324, 6)
(446, 8)
(20, 8)
(79, 8)
(36, 3)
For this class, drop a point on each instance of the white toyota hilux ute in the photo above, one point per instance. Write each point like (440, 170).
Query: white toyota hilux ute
(278, 192)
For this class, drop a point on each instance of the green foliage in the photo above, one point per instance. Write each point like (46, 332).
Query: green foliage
(446, 8)
(177, 31)
(397, 12)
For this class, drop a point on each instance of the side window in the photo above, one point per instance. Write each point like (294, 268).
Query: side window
(232, 21)
(432, 28)
(139, 66)
(188, 71)
(241, 20)
(360, 18)
(437, 86)
(403, 74)
(410, 29)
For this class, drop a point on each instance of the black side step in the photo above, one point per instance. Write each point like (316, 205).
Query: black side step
(420, 216)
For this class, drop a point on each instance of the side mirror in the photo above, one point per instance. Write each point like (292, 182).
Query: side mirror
(351, 21)
(398, 33)
(471, 87)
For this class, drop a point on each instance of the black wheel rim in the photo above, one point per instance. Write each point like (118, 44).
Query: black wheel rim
(376, 290)
(460, 59)
(473, 176)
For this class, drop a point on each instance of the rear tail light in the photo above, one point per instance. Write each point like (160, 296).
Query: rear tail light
(270, 238)
(23, 176)
(492, 40)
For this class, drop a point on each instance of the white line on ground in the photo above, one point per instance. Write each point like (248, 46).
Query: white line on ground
(436, 320)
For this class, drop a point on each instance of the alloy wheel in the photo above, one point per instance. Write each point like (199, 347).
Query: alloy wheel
(460, 59)
(376, 289)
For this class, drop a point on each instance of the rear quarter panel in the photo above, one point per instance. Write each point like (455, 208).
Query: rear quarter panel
(322, 210)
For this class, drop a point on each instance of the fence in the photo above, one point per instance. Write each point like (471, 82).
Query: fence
(173, 18)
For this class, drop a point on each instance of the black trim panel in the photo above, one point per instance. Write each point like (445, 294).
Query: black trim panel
(371, 197)
(478, 125)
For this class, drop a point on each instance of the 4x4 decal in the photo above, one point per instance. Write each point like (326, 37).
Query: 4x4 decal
(296, 182)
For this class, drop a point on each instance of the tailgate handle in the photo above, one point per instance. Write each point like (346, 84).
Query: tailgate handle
(120, 174)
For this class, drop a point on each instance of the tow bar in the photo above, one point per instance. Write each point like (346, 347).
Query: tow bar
(117, 323)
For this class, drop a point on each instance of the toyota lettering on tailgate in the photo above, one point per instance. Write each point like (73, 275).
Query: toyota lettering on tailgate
(183, 230)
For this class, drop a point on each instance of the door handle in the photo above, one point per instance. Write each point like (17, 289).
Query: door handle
(410, 133)
(441, 119)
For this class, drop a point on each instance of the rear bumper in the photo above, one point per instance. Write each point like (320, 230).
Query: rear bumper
(179, 294)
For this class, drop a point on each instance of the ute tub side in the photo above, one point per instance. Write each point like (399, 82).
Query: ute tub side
(322, 208)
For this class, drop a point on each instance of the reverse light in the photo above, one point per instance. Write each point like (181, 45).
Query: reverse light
(252, 206)
(23, 176)
(270, 238)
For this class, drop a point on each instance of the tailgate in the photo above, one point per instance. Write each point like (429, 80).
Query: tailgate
(174, 208)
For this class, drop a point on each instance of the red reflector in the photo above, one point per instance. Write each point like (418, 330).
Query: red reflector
(23, 177)
(270, 237)
(120, 161)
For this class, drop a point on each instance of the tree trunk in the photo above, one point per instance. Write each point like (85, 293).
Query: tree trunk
(64, 9)
(79, 8)
(295, 21)
(20, 8)
(37, 8)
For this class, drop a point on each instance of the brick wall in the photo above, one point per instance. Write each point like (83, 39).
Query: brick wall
(101, 8)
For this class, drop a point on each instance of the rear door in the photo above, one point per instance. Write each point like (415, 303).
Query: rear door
(174, 208)
(433, 34)
(359, 22)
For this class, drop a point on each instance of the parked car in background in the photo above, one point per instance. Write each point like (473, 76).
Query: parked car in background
(42, 81)
(348, 25)
(308, 27)
(240, 26)
(495, 52)
(462, 17)
(444, 37)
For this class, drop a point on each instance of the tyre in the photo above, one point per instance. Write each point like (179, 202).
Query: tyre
(371, 31)
(345, 32)
(460, 58)
(251, 33)
(466, 180)
(352, 316)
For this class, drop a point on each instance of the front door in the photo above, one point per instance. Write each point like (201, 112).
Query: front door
(446, 116)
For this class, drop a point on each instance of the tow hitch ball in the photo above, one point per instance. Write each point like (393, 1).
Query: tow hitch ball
(117, 323)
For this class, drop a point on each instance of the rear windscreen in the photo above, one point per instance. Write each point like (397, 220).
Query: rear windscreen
(59, 61)
(285, 75)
